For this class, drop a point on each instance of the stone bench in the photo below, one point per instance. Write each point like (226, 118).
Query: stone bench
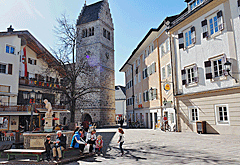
(24, 152)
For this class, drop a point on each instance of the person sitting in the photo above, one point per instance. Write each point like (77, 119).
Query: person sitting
(99, 145)
(59, 145)
(91, 138)
(77, 141)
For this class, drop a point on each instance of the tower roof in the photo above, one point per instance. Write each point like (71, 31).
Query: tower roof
(89, 13)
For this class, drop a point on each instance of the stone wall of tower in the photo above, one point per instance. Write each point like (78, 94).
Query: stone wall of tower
(102, 105)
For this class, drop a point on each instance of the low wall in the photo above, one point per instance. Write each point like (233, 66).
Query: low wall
(36, 140)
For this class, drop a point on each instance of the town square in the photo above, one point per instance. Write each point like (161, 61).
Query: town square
(119, 82)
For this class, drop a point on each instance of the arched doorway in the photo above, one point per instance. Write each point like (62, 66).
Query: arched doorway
(88, 118)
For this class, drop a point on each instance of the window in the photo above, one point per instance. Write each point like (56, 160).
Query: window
(153, 67)
(187, 38)
(106, 34)
(5, 89)
(32, 61)
(145, 73)
(140, 98)
(3, 68)
(214, 67)
(10, 68)
(139, 77)
(195, 3)
(153, 94)
(218, 67)
(213, 24)
(222, 114)
(10, 49)
(145, 96)
(162, 50)
(136, 99)
(169, 70)
(193, 114)
(190, 75)
(163, 73)
(167, 45)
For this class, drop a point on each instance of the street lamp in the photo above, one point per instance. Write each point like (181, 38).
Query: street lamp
(32, 101)
(227, 67)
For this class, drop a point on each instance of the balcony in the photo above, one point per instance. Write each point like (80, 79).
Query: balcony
(25, 108)
(39, 84)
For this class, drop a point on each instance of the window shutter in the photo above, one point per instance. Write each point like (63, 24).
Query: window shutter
(35, 62)
(150, 95)
(143, 74)
(29, 60)
(10, 69)
(205, 29)
(239, 7)
(181, 41)
(155, 94)
(196, 78)
(184, 81)
(149, 70)
(208, 69)
(224, 60)
(144, 97)
(193, 35)
(137, 70)
(220, 20)
(146, 72)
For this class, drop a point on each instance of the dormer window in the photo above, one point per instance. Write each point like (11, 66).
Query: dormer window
(193, 4)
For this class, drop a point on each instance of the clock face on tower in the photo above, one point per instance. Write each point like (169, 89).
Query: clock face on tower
(107, 55)
(87, 54)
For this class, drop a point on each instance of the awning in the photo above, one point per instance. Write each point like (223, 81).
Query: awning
(8, 94)
(17, 114)
(43, 110)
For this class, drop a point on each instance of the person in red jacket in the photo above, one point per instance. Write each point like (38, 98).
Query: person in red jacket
(99, 145)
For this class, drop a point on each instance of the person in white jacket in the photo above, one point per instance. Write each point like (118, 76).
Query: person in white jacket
(121, 139)
(90, 139)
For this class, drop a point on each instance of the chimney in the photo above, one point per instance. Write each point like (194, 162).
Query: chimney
(10, 29)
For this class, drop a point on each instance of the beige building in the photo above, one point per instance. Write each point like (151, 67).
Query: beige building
(149, 92)
(205, 37)
(24, 67)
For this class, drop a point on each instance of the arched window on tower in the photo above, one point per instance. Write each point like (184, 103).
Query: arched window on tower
(108, 36)
(92, 31)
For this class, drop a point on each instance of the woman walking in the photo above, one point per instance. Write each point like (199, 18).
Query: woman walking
(121, 139)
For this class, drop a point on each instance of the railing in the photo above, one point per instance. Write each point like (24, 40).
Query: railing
(24, 108)
(40, 84)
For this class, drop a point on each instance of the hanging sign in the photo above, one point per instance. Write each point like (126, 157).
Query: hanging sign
(167, 87)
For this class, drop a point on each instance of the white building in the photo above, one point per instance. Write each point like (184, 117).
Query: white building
(205, 36)
(120, 102)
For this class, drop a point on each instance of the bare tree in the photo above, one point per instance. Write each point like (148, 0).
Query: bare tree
(74, 70)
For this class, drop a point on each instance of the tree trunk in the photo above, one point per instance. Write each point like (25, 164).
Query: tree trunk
(72, 110)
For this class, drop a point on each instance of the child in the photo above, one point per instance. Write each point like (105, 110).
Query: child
(47, 145)
(91, 138)
(121, 139)
(99, 145)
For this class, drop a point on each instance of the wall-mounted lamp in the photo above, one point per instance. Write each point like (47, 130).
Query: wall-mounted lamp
(227, 66)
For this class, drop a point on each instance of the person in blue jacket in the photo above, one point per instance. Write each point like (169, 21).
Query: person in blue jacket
(76, 140)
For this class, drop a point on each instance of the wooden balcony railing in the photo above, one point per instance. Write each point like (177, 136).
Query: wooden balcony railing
(40, 84)
(16, 108)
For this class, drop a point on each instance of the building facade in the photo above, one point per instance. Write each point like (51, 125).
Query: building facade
(24, 64)
(97, 45)
(204, 37)
(120, 102)
(149, 95)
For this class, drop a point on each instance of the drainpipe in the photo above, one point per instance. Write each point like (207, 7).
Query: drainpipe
(173, 79)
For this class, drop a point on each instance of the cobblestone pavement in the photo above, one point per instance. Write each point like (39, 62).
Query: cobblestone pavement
(144, 146)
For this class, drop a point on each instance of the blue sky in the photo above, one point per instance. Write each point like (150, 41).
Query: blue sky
(132, 20)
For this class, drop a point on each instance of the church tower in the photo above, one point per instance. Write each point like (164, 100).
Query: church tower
(97, 45)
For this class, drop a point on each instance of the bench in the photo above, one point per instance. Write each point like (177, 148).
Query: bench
(68, 149)
(4, 147)
(24, 152)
